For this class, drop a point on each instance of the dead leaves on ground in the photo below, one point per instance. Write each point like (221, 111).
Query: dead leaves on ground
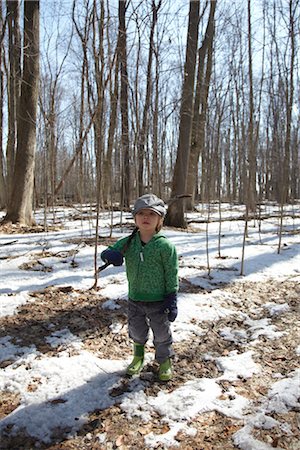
(9, 401)
(81, 312)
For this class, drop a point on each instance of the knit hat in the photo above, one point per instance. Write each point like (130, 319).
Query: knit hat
(149, 201)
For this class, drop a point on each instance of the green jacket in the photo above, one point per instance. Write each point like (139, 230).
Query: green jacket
(151, 269)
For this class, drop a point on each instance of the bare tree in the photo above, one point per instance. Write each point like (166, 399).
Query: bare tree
(2, 178)
(156, 185)
(252, 167)
(144, 128)
(205, 59)
(125, 190)
(98, 60)
(83, 31)
(289, 99)
(20, 205)
(49, 105)
(244, 135)
(175, 215)
(108, 183)
(14, 76)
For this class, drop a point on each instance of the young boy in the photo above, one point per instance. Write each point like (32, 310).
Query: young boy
(152, 274)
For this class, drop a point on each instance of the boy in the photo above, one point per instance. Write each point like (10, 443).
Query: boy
(152, 274)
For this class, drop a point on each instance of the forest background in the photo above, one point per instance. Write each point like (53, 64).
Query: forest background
(198, 102)
(104, 100)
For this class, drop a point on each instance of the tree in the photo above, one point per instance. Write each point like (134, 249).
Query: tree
(125, 190)
(144, 128)
(50, 99)
(252, 167)
(20, 204)
(98, 101)
(175, 214)
(14, 39)
(289, 99)
(205, 53)
(2, 179)
(125, 104)
(114, 96)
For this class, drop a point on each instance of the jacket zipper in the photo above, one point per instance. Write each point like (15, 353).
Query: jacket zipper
(142, 255)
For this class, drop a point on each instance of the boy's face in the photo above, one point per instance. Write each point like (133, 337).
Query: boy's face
(147, 220)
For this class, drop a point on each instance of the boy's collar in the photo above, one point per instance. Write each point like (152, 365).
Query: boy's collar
(155, 236)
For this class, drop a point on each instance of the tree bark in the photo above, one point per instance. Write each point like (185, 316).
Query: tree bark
(175, 214)
(20, 205)
(98, 54)
(144, 129)
(156, 185)
(251, 194)
(289, 98)
(3, 198)
(125, 191)
(200, 105)
(14, 45)
(107, 166)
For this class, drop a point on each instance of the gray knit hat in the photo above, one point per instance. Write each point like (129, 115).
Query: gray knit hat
(149, 201)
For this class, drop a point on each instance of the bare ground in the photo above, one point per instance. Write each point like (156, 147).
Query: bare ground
(82, 314)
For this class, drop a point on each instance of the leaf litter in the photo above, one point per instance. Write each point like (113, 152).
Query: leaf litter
(236, 382)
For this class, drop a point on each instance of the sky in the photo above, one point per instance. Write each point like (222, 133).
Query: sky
(73, 374)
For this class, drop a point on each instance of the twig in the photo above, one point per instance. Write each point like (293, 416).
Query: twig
(8, 243)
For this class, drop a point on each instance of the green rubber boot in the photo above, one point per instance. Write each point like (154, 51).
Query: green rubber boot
(165, 370)
(137, 363)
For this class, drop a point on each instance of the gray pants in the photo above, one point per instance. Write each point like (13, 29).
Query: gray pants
(145, 315)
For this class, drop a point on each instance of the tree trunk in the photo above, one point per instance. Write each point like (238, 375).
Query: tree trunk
(125, 190)
(107, 167)
(144, 129)
(156, 185)
(20, 205)
(83, 33)
(3, 199)
(175, 214)
(200, 106)
(251, 194)
(14, 44)
(98, 54)
(289, 98)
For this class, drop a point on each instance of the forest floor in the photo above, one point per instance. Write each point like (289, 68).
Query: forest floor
(85, 318)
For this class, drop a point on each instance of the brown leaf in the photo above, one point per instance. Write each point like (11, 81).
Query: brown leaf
(146, 429)
(120, 440)
(32, 387)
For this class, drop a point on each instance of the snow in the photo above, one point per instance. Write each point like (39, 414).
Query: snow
(275, 309)
(282, 396)
(237, 366)
(59, 391)
(9, 303)
(64, 392)
(63, 337)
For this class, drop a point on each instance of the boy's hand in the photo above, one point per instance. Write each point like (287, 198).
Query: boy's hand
(169, 306)
(113, 257)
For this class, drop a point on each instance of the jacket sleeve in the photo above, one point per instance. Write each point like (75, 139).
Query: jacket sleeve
(170, 263)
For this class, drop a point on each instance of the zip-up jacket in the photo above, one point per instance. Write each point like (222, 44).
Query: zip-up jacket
(151, 269)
